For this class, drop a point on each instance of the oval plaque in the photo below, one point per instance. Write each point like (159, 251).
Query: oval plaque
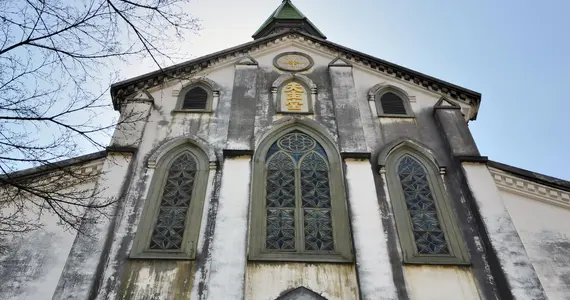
(293, 61)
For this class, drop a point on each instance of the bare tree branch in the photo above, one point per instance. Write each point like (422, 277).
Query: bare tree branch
(57, 59)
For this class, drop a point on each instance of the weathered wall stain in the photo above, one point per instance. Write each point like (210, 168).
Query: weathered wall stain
(156, 280)
(266, 281)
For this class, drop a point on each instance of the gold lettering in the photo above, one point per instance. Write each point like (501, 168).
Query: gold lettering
(294, 92)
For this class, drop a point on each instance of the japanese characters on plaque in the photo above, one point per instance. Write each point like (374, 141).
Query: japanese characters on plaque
(294, 98)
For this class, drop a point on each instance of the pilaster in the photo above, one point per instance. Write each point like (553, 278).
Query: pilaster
(134, 116)
(243, 104)
(371, 249)
(346, 108)
(82, 275)
(503, 243)
(454, 128)
(228, 256)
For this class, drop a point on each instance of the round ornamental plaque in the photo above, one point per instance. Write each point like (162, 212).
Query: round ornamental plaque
(293, 61)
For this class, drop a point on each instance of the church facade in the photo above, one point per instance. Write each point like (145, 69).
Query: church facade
(291, 167)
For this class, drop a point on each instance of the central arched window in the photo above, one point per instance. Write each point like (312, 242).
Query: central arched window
(299, 211)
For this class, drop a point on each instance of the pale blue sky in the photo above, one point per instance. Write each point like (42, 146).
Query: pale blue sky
(515, 53)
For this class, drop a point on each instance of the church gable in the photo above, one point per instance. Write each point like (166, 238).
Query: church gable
(307, 42)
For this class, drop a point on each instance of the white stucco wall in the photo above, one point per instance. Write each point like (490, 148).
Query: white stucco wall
(503, 235)
(440, 283)
(228, 258)
(545, 231)
(31, 263)
(332, 281)
(374, 270)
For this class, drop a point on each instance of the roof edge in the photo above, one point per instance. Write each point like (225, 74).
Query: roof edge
(54, 166)
(533, 176)
(401, 72)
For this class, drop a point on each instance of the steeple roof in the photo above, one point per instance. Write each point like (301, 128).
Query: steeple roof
(285, 17)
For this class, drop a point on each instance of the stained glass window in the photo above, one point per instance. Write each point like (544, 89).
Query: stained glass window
(427, 232)
(298, 201)
(169, 228)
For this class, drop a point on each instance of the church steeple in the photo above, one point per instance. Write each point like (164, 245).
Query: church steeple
(285, 17)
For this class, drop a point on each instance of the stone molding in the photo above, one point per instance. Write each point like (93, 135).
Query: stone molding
(511, 183)
(192, 140)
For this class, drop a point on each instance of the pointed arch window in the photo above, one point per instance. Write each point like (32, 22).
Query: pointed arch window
(299, 209)
(427, 227)
(172, 214)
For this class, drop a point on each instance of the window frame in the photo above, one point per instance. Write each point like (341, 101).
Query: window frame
(186, 89)
(378, 92)
(141, 249)
(448, 220)
(339, 211)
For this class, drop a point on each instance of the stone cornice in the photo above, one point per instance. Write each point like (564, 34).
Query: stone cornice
(187, 69)
(524, 187)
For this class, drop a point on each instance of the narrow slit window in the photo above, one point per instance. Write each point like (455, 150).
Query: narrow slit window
(392, 104)
(196, 98)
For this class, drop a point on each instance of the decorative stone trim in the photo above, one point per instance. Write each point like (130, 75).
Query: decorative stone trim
(170, 144)
(279, 64)
(121, 89)
(508, 182)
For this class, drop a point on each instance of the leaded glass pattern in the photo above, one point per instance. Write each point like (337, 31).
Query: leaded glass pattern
(280, 203)
(298, 201)
(168, 231)
(427, 232)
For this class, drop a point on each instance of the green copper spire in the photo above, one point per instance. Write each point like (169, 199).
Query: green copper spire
(287, 16)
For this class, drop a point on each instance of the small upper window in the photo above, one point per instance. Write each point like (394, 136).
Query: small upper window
(196, 98)
(392, 104)
(390, 101)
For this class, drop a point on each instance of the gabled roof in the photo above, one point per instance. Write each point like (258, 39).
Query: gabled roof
(287, 16)
(124, 88)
